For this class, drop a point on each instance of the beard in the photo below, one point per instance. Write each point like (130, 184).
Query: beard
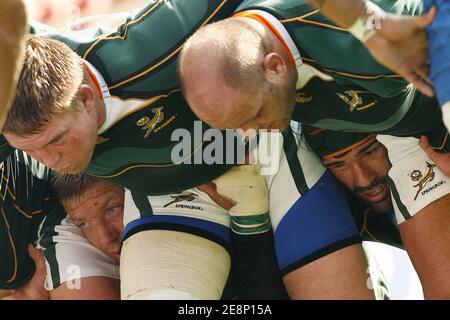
(284, 96)
(381, 206)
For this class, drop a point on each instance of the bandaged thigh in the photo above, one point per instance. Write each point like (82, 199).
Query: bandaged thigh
(415, 179)
(163, 264)
(245, 186)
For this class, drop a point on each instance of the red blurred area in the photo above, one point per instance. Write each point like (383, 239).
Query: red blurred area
(63, 13)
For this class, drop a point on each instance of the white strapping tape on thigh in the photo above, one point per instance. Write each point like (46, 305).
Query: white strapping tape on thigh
(171, 265)
(247, 188)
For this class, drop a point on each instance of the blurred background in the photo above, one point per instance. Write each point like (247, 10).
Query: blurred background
(64, 13)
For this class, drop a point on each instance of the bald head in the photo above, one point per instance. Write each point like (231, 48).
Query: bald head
(219, 63)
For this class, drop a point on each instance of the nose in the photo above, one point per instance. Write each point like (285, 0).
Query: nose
(49, 158)
(362, 175)
(109, 235)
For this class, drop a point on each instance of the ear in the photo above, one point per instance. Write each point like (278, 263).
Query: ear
(275, 68)
(87, 97)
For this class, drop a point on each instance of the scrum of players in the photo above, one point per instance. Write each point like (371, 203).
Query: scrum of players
(95, 205)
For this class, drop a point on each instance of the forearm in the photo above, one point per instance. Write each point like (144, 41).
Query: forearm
(343, 12)
(89, 288)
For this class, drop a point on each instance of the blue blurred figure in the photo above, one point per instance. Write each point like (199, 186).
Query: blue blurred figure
(439, 51)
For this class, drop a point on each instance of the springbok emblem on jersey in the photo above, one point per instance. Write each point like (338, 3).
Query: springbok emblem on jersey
(182, 197)
(351, 98)
(416, 175)
(150, 124)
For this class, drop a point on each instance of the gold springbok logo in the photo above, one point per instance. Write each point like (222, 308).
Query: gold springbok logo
(416, 175)
(351, 98)
(182, 197)
(150, 124)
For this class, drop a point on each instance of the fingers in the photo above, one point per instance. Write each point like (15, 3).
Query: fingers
(424, 72)
(423, 84)
(425, 145)
(427, 18)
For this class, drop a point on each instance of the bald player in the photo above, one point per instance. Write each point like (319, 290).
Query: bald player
(265, 66)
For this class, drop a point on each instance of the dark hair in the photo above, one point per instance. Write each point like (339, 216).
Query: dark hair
(69, 186)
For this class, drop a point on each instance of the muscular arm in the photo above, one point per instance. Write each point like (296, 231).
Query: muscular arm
(34, 288)
(90, 288)
(399, 42)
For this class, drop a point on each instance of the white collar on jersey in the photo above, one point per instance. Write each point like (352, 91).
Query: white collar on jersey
(105, 93)
(305, 71)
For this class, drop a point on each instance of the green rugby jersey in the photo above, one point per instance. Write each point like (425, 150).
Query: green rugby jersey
(27, 208)
(138, 65)
(362, 94)
(374, 226)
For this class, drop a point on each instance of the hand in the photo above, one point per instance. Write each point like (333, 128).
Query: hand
(33, 289)
(442, 160)
(401, 45)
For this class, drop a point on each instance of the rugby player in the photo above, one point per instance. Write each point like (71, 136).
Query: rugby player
(112, 115)
(97, 207)
(265, 66)
(29, 208)
(32, 216)
(361, 164)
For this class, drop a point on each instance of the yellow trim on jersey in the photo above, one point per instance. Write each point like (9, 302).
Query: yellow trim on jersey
(301, 17)
(176, 51)
(363, 77)
(321, 24)
(357, 144)
(148, 102)
(13, 248)
(367, 106)
(147, 166)
(109, 37)
(308, 60)
(21, 211)
(129, 99)
(13, 196)
(350, 75)
(443, 143)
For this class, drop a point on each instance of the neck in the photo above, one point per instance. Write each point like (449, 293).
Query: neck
(101, 113)
(99, 102)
